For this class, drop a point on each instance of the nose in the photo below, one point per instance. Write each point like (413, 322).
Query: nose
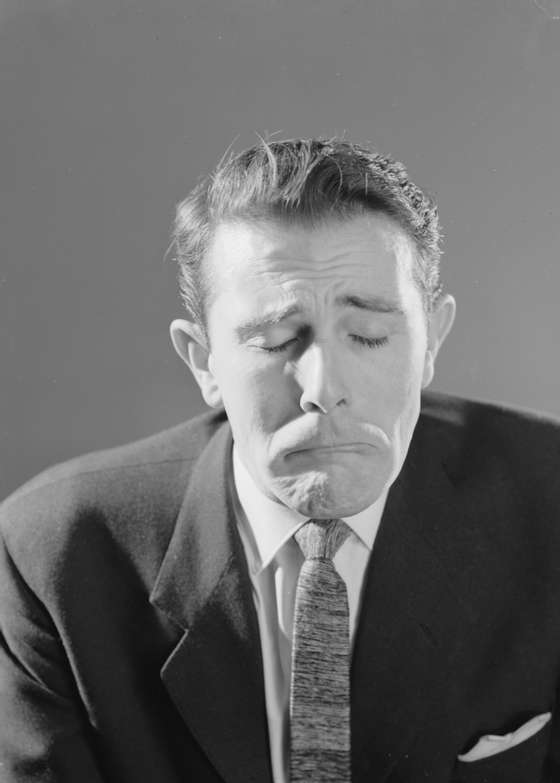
(321, 379)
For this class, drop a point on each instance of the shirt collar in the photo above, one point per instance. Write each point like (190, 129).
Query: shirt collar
(270, 524)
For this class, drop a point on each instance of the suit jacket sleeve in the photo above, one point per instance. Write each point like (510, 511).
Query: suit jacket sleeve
(44, 735)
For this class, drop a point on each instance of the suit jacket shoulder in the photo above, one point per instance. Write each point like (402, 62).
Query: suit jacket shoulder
(502, 466)
(124, 498)
(481, 437)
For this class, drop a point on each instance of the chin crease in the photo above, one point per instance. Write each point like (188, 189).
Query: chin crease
(319, 503)
(315, 498)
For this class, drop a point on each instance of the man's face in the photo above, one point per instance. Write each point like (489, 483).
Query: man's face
(319, 346)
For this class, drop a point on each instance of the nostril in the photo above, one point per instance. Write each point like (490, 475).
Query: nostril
(308, 406)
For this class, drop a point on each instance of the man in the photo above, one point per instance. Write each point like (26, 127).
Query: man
(330, 576)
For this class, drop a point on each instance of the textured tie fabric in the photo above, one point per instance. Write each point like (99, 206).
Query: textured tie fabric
(320, 686)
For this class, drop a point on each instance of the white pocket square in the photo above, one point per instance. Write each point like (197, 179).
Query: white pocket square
(490, 744)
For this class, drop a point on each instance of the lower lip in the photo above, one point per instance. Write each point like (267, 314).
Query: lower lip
(329, 451)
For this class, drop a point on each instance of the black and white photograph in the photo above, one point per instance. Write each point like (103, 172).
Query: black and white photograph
(279, 391)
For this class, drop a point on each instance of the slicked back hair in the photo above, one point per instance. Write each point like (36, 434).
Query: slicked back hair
(306, 182)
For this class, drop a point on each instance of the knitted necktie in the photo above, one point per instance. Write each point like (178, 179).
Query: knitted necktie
(320, 686)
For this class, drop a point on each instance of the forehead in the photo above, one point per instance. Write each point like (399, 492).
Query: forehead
(267, 259)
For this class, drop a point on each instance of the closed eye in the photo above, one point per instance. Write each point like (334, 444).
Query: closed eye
(278, 348)
(369, 342)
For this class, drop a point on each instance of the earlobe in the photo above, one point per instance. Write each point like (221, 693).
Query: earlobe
(440, 321)
(428, 373)
(190, 343)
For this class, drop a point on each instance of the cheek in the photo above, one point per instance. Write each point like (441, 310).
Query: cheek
(402, 369)
(272, 398)
(394, 382)
(256, 398)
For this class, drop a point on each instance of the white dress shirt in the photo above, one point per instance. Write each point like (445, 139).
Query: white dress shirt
(274, 560)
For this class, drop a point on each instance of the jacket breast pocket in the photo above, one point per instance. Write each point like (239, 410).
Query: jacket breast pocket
(522, 763)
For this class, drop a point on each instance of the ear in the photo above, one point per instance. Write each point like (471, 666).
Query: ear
(440, 321)
(190, 342)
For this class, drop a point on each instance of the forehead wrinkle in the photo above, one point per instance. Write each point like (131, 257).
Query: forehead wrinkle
(317, 271)
(347, 257)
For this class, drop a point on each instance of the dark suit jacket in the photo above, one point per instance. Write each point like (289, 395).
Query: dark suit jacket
(130, 649)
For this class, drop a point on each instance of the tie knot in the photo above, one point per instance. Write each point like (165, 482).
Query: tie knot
(320, 539)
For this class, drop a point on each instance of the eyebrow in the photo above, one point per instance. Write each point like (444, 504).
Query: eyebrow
(373, 304)
(265, 321)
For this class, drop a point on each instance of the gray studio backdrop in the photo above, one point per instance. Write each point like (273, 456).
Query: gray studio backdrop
(110, 111)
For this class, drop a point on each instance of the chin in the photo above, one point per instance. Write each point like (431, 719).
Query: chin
(320, 496)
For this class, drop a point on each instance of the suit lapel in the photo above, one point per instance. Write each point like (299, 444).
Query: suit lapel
(214, 675)
(414, 615)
